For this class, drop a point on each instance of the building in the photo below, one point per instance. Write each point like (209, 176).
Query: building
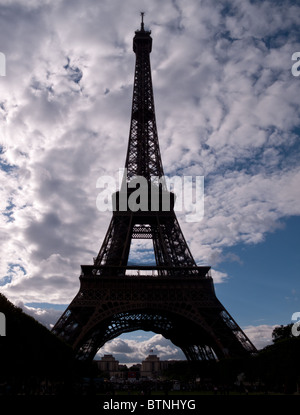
(108, 364)
(152, 366)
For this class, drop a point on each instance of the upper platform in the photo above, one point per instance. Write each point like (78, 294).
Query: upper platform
(142, 38)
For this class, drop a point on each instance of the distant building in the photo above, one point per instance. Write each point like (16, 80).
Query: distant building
(108, 364)
(152, 366)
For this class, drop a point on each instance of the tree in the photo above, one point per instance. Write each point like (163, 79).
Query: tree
(29, 348)
(282, 332)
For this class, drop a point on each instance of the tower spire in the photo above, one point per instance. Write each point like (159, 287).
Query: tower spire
(143, 153)
(142, 22)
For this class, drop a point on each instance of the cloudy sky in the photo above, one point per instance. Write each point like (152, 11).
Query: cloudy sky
(227, 108)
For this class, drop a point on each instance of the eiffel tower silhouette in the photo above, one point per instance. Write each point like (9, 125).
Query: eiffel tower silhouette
(175, 298)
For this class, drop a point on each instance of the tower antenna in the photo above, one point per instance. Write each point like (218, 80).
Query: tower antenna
(142, 22)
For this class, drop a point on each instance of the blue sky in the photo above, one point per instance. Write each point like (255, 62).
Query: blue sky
(227, 108)
(263, 284)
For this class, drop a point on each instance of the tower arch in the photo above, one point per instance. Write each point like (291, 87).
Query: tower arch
(179, 329)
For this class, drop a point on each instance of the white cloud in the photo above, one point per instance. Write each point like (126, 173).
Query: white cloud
(261, 336)
(46, 316)
(218, 276)
(133, 351)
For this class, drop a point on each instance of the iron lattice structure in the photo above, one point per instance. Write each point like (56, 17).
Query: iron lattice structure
(175, 298)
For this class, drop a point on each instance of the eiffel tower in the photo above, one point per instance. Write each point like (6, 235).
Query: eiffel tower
(175, 298)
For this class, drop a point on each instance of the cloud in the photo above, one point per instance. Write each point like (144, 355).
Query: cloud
(218, 276)
(261, 336)
(134, 351)
(120, 346)
(46, 316)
